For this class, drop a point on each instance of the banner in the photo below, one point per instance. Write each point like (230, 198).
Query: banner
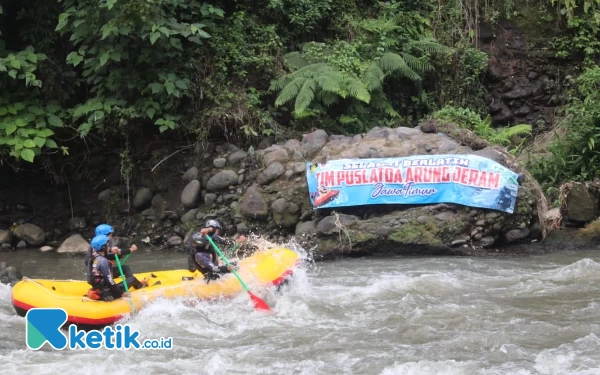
(469, 180)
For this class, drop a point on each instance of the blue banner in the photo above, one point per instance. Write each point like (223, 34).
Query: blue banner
(468, 180)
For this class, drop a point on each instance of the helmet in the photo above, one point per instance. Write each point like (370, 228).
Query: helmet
(99, 241)
(198, 239)
(213, 223)
(104, 229)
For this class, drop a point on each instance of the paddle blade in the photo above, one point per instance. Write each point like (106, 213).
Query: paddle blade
(259, 304)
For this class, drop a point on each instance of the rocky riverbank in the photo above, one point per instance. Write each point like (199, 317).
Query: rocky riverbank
(264, 191)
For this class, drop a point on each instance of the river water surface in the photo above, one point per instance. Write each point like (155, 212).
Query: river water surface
(401, 315)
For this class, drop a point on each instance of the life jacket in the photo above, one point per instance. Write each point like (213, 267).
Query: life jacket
(95, 278)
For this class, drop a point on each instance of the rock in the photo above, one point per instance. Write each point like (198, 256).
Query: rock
(158, 202)
(5, 247)
(105, 195)
(458, 243)
(189, 216)
(77, 223)
(253, 204)
(9, 275)
(313, 142)
(581, 205)
(293, 145)
(285, 214)
(45, 249)
(75, 244)
(305, 228)
(5, 236)
(516, 93)
(486, 241)
(271, 173)
(219, 162)
(330, 224)
(210, 198)
(288, 174)
(236, 157)
(516, 234)
(279, 155)
(191, 194)
(523, 110)
(428, 126)
(299, 168)
(266, 143)
(445, 216)
(222, 180)
(422, 219)
(503, 117)
(21, 245)
(148, 212)
(191, 174)
(142, 199)
(31, 234)
(174, 241)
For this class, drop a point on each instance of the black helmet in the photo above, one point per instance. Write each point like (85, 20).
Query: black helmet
(198, 239)
(213, 223)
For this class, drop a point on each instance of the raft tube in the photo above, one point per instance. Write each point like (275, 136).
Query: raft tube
(326, 198)
(263, 268)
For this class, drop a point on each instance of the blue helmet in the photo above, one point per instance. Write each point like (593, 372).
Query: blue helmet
(99, 241)
(104, 229)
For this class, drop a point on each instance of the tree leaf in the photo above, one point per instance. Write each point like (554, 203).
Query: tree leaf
(51, 144)
(104, 58)
(10, 128)
(13, 73)
(55, 121)
(39, 141)
(163, 128)
(150, 112)
(32, 57)
(154, 37)
(170, 87)
(27, 155)
(29, 143)
(156, 87)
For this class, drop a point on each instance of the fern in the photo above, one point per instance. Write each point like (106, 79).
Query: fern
(373, 77)
(503, 136)
(318, 81)
(305, 95)
(428, 45)
(296, 60)
(290, 91)
(416, 63)
(392, 62)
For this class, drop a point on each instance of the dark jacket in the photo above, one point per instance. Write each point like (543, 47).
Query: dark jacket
(100, 275)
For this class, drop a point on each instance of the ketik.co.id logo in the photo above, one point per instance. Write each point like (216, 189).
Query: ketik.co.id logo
(44, 325)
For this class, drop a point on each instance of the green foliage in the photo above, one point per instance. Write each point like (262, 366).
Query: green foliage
(132, 57)
(468, 119)
(575, 154)
(461, 85)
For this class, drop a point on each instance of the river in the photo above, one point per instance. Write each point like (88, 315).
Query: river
(400, 315)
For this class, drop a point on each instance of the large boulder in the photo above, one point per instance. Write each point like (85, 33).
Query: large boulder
(31, 234)
(191, 194)
(253, 205)
(142, 199)
(579, 202)
(432, 229)
(222, 180)
(75, 244)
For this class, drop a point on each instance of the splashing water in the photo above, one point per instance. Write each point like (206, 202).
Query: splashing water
(403, 315)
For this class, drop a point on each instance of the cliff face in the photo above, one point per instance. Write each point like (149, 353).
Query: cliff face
(525, 80)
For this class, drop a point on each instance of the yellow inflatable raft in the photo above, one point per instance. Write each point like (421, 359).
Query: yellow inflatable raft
(267, 267)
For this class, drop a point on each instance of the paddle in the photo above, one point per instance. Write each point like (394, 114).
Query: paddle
(124, 282)
(259, 304)
(125, 259)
